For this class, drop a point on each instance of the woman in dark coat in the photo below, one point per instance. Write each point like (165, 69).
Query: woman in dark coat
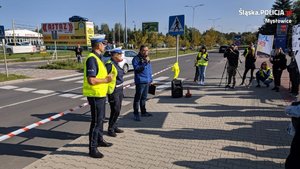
(250, 59)
(279, 64)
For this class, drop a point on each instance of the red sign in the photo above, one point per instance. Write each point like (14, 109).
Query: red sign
(61, 28)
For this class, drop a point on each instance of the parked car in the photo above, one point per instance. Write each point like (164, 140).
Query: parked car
(127, 56)
(223, 48)
(183, 48)
(77, 19)
(20, 47)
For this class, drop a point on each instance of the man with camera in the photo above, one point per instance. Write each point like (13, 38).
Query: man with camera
(232, 55)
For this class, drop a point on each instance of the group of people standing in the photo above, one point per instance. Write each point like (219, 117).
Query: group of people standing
(264, 75)
(105, 80)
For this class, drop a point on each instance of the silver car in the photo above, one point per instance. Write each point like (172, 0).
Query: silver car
(127, 56)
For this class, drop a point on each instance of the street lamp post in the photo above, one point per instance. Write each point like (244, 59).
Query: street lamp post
(125, 32)
(214, 20)
(193, 7)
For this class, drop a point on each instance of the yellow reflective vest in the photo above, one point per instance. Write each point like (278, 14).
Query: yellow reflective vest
(263, 73)
(202, 59)
(98, 90)
(112, 84)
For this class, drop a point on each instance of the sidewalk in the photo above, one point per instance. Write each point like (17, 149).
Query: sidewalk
(214, 129)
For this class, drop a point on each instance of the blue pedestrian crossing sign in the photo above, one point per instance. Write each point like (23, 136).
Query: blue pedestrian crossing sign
(176, 25)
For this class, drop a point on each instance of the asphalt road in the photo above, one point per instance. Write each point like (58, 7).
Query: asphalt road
(28, 102)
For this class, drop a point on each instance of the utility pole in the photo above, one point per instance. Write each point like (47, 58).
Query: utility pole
(14, 36)
(193, 7)
(125, 38)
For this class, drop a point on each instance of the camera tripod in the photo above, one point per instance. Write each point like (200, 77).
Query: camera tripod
(225, 67)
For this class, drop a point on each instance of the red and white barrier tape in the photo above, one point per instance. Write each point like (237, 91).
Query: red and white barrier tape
(31, 126)
(24, 129)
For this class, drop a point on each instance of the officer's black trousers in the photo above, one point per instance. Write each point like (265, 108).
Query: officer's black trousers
(115, 102)
(96, 128)
(277, 77)
(293, 160)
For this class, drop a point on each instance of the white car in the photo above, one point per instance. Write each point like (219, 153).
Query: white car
(20, 47)
(127, 56)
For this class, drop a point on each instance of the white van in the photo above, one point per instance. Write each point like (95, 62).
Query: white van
(20, 47)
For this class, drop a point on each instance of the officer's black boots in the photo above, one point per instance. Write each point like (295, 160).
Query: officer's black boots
(112, 133)
(103, 143)
(117, 130)
(95, 153)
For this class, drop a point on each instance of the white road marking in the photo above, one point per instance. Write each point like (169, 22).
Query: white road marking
(8, 87)
(76, 96)
(25, 89)
(62, 77)
(43, 91)
(156, 80)
(80, 82)
(67, 95)
(38, 98)
(72, 79)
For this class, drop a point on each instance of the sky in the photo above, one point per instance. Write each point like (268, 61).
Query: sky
(31, 13)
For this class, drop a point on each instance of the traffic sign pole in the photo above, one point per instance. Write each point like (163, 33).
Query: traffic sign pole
(177, 47)
(5, 61)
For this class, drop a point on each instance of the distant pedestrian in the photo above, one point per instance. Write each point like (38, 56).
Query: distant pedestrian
(279, 64)
(232, 54)
(264, 75)
(202, 62)
(78, 53)
(95, 88)
(250, 59)
(142, 78)
(115, 91)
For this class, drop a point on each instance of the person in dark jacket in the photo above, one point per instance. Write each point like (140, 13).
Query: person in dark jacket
(279, 64)
(293, 159)
(115, 98)
(250, 58)
(294, 74)
(232, 55)
(78, 53)
(142, 78)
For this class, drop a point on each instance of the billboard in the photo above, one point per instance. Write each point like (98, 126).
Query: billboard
(150, 26)
(68, 34)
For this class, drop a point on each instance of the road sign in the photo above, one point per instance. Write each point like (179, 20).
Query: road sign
(150, 27)
(54, 35)
(176, 25)
(2, 32)
(237, 40)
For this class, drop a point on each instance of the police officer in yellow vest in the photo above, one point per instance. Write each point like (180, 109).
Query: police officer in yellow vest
(95, 88)
(115, 90)
(202, 62)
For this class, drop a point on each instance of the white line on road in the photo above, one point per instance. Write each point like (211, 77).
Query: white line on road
(62, 77)
(8, 87)
(43, 91)
(72, 79)
(38, 98)
(25, 89)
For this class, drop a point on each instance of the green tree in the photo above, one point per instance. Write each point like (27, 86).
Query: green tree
(210, 38)
(296, 12)
(170, 41)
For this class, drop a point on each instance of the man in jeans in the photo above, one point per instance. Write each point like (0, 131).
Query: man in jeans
(142, 78)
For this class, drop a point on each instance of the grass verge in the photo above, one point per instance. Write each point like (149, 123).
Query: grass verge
(3, 77)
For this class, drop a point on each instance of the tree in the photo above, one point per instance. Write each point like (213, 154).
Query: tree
(296, 12)
(210, 37)
(170, 41)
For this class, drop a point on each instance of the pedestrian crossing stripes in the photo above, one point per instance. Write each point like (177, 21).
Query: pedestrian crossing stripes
(162, 82)
(72, 79)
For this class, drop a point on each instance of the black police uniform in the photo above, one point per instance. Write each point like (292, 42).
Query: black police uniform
(115, 99)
